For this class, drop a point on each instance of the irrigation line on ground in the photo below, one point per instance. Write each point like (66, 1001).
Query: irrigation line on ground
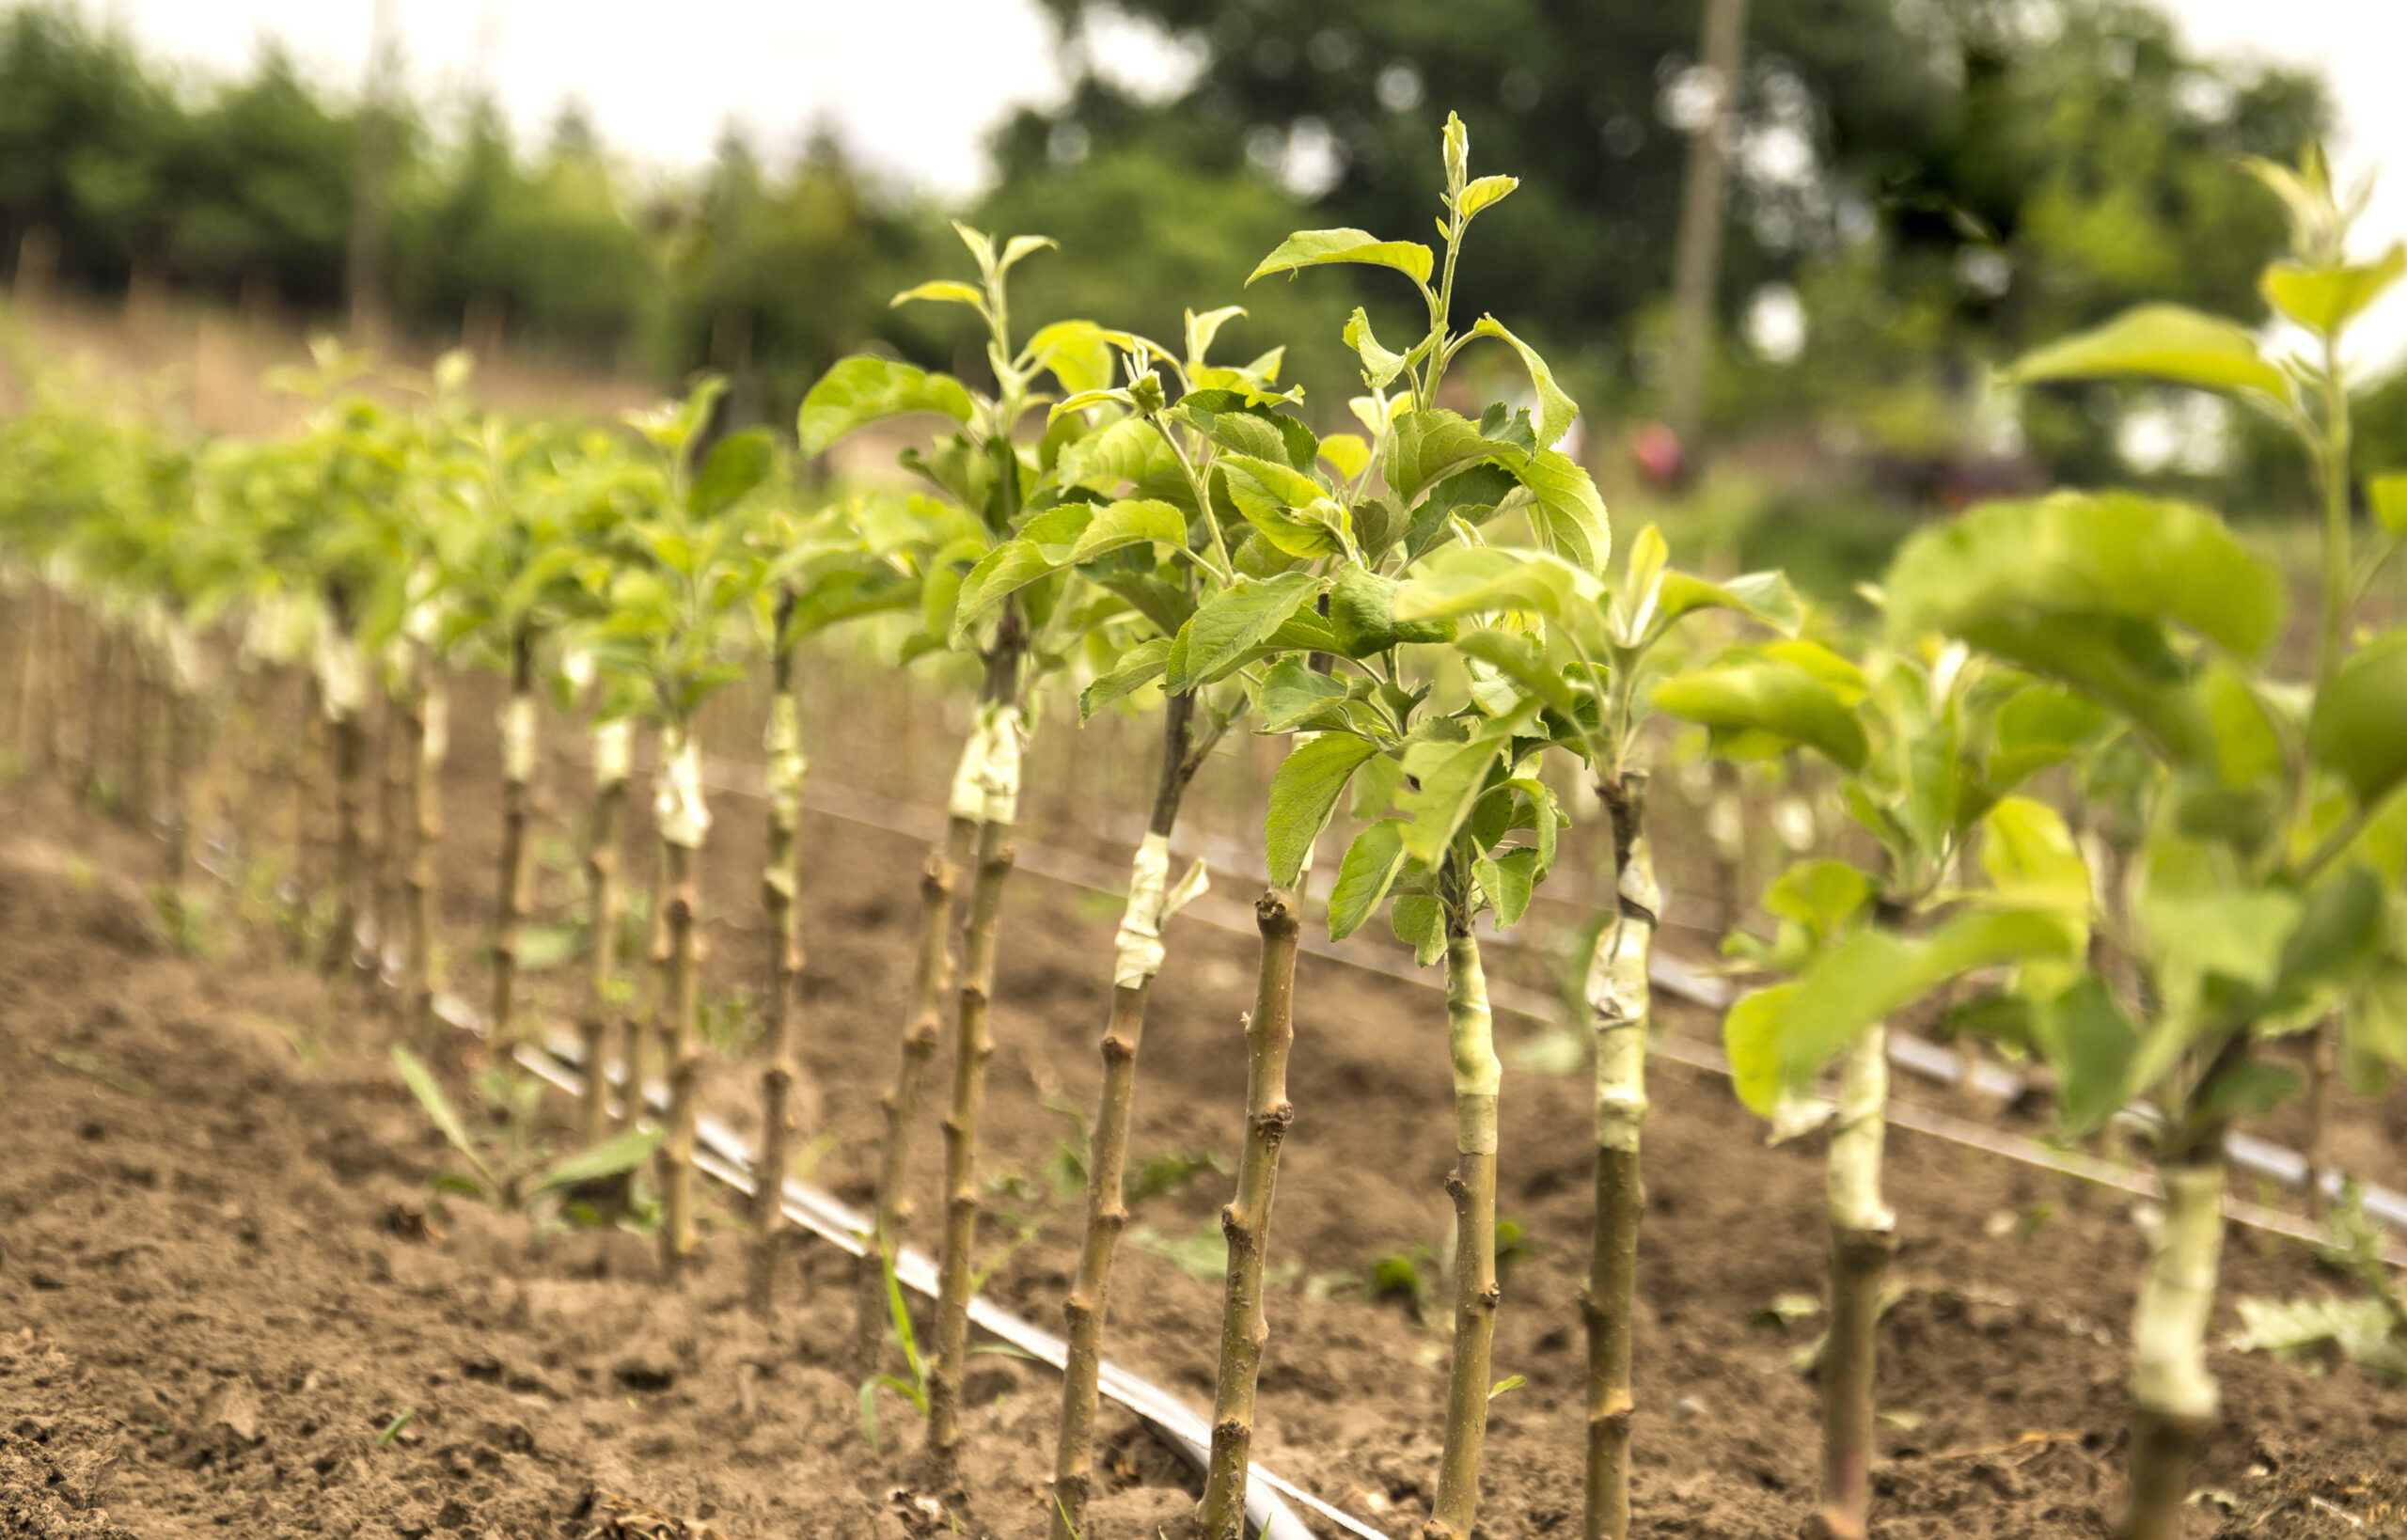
(723, 1154)
(1929, 1061)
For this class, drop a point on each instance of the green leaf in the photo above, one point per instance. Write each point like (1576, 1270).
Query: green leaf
(2103, 554)
(2158, 341)
(429, 1096)
(942, 292)
(1426, 448)
(1314, 248)
(1294, 693)
(1486, 193)
(1524, 663)
(1555, 408)
(2377, 1019)
(2091, 1046)
(1463, 580)
(1775, 696)
(1451, 778)
(2325, 299)
(1365, 876)
(1079, 352)
(1420, 920)
(1751, 1031)
(738, 462)
(1303, 793)
(1379, 366)
(2387, 493)
(1362, 613)
(611, 1157)
(1824, 897)
(2029, 857)
(1042, 547)
(1293, 511)
(2234, 934)
(1570, 514)
(862, 389)
(1239, 616)
(1348, 454)
(1763, 596)
(1873, 974)
(1130, 521)
(1375, 786)
(1509, 881)
(1139, 666)
(2359, 723)
(1131, 450)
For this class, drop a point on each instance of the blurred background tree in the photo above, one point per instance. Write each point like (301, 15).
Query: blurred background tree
(1918, 188)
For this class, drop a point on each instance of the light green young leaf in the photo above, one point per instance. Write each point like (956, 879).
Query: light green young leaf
(942, 292)
(2323, 300)
(1763, 596)
(1023, 245)
(1509, 881)
(1139, 666)
(1303, 793)
(1375, 786)
(1461, 581)
(1291, 510)
(1450, 777)
(738, 463)
(1523, 662)
(862, 389)
(612, 1158)
(1570, 514)
(1774, 697)
(2359, 723)
(2159, 341)
(2387, 493)
(2111, 554)
(2030, 857)
(1424, 447)
(1293, 691)
(1130, 521)
(438, 1109)
(1555, 408)
(1239, 616)
(1080, 353)
(1486, 193)
(1379, 366)
(1363, 878)
(1361, 615)
(1131, 450)
(2091, 1046)
(1314, 248)
(1420, 920)
(1874, 974)
(1751, 1031)
(1348, 454)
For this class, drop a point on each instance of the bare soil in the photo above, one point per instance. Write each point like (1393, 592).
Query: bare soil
(227, 1305)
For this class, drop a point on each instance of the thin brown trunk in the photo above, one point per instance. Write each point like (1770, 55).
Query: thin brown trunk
(1619, 1002)
(1851, 1356)
(777, 1072)
(392, 839)
(1473, 1188)
(1108, 1149)
(635, 1054)
(938, 882)
(429, 730)
(682, 1058)
(601, 987)
(2322, 1073)
(973, 1047)
(996, 785)
(1245, 1328)
(350, 741)
(517, 785)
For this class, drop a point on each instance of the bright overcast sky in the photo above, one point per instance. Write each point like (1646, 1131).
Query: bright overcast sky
(915, 84)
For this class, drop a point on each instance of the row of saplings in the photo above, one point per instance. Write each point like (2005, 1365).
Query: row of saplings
(1425, 606)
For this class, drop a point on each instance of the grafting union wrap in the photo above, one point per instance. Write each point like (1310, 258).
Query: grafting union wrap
(1857, 1134)
(782, 780)
(1472, 1043)
(1620, 1002)
(519, 738)
(614, 751)
(2178, 1298)
(342, 675)
(1151, 900)
(678, 809)
(985, 789)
